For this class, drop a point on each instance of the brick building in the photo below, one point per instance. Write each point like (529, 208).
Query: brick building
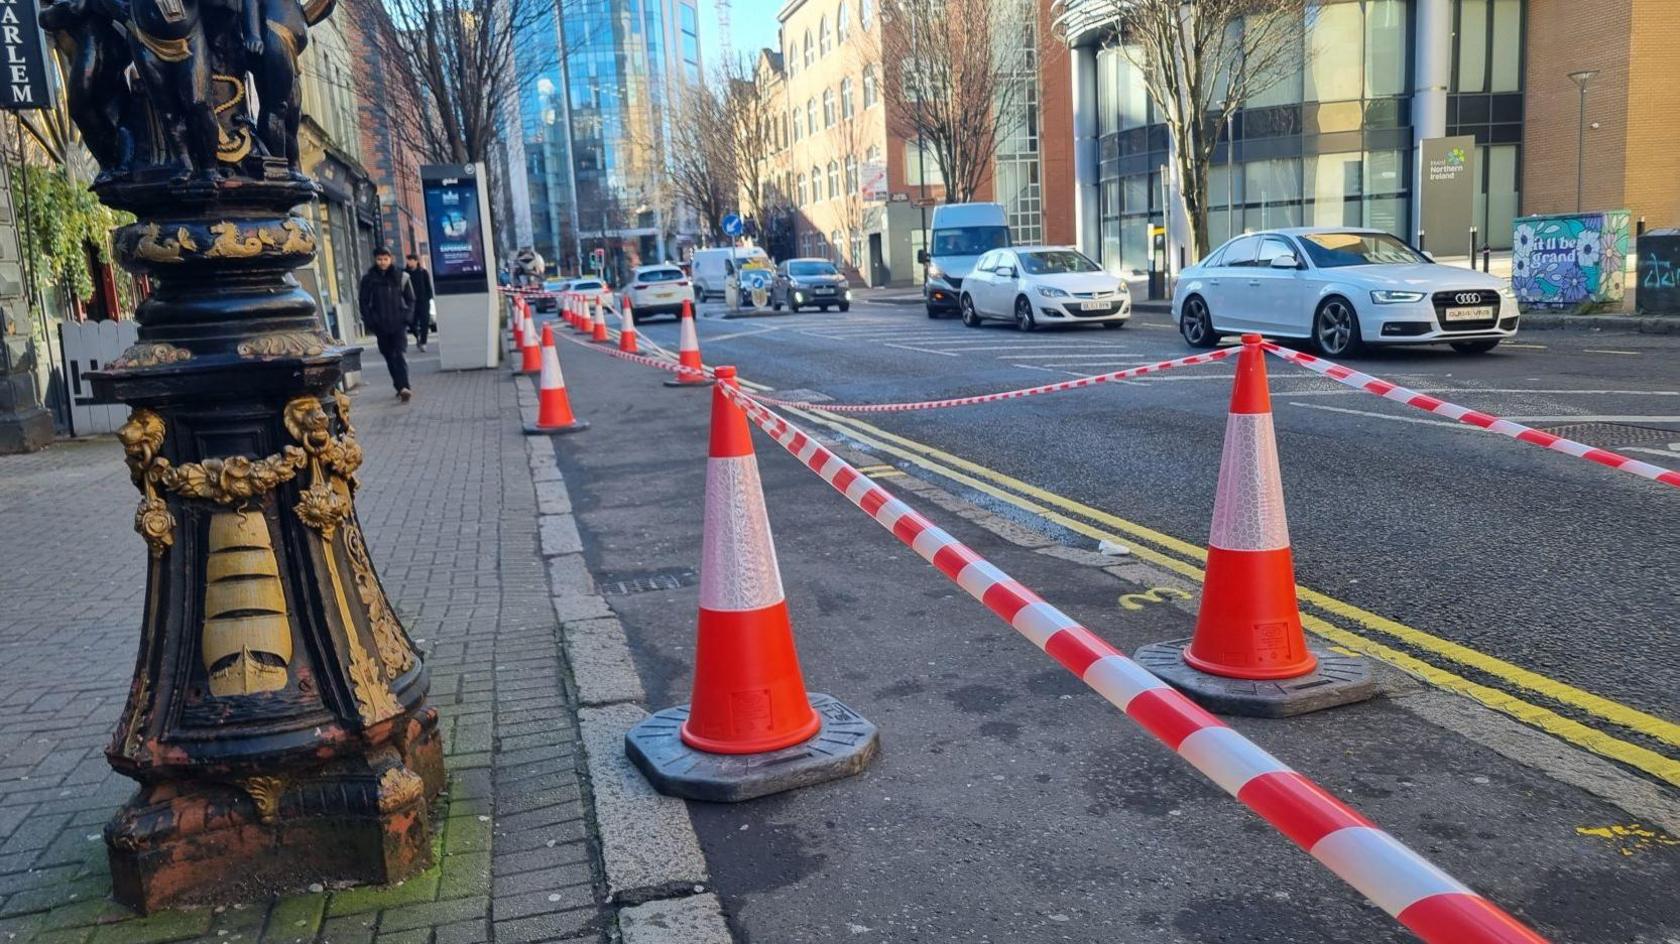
(391, 163)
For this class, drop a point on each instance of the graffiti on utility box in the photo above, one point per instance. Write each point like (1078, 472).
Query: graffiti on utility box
(1569, 262)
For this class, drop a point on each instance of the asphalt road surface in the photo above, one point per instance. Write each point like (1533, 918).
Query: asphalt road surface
(1542, 584)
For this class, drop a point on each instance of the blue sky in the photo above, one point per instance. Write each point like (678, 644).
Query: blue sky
(753, 23)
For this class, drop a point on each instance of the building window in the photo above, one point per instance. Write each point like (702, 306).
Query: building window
(825, 37)
(811, 115)
(804, 192)
(835, 241)
(873, 155)
(857, 250)
(1488, 57)
(833, 180)
(866, 12)
(798, 124)
(816, 184)
(843, 21)
(810, 51)
(871, 82)
(846, 97)
(920, 166)
(852, 186)
(828, 108)
(791, 57)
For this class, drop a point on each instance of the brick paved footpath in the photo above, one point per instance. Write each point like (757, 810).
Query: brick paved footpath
(449, 507)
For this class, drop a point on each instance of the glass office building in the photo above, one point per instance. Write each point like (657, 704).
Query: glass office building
(1331, 143)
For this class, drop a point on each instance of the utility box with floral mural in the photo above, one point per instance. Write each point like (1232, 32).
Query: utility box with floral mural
(1570, 262)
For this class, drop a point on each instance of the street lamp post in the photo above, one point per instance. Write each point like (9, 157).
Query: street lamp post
(277, 721)
(1581, 79)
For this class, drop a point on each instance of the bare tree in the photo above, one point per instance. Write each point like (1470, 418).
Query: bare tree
(952, 71)
(1201, 62)
(455, 66)
(700, 162)
(752, 112)
(847, 143)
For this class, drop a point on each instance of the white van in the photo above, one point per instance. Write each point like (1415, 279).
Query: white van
(711, 268)
(962, 233)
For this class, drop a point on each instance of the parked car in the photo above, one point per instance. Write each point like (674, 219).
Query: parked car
(962, 233)
(713, 267)
(1340, 288)
(1039, 286)
(592, 289)
(657, 290)
(550, 301)
(810, 283)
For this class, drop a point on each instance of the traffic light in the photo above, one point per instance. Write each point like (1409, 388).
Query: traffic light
(598, 259)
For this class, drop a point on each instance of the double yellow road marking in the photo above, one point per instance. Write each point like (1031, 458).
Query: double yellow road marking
(1342, 623)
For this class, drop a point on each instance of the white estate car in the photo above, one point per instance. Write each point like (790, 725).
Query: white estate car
(1341, 288)
(657, 290)
(1037, 286)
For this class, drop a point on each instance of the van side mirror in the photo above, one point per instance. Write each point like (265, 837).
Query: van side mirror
(1286, 261)
(921, 257)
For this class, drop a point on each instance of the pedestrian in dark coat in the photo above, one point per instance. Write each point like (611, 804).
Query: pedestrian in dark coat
(421, 326)
(387, 301)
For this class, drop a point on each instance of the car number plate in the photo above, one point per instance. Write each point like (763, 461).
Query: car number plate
(1476, 313)
(1093, 306)
(824, 291)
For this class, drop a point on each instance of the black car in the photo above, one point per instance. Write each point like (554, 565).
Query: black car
(809, 283)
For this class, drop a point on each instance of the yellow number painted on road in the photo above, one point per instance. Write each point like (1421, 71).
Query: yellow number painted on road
(1135, 601)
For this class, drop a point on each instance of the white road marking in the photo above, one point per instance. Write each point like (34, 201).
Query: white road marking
(1029, 347)
(922, 350)
(1526, 347)
(1589, 350)
(1048, 370)
(1060, 359)
(1381, 416)
(1665, 453)
(1594, 419)
(714, 338)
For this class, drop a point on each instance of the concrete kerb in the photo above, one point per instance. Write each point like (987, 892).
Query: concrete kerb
(1616, 324)
(655, 870)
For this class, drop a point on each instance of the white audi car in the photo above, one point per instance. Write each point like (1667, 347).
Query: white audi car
(1039, 286)
(1340, 288)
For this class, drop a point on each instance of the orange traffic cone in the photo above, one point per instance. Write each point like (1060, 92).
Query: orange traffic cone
(749, 693)
(530, 352)
(600, 336)
(1249, 654)
(1249, 626)
(627, 328)
(554, 407)
(574, 312)
(516, 320)
(688, 353)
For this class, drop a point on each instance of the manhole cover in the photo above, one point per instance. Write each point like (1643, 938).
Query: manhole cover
(1613, 434)
(625, 584)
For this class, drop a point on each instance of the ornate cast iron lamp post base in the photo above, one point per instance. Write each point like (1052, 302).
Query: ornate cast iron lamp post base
(277, 722)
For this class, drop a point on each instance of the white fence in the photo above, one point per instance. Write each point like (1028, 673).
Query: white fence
(88, 346)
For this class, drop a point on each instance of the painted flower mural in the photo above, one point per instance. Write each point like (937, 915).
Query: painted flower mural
(1569, 261)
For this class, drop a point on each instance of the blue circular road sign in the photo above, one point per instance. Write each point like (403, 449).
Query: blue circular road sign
(732, 224)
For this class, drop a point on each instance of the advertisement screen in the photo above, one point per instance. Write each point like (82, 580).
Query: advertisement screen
(457, 234)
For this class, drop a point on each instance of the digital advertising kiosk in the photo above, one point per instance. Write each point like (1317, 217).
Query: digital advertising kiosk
(463, 264)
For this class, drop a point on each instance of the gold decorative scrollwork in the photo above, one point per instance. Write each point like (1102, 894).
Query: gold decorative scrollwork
(265, 793)
(235, 147)
(388, 636)
(399, 787)
(230, 244)
(374, 699)
(299, 237)
(148, 354)
(153, 246)
(142, 437)
(155, 523)
(284, 344)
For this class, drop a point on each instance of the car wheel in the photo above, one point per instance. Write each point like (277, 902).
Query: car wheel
(775, 306)
(1024, 315)
(699, 295)
(1197, 324)
(1475, 347)
(845, 306)
(970, 317)
(1336, 328)
(793, 307)
(931, 313)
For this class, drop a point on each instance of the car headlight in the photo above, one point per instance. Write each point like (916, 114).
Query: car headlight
(1388, 297)
(1124, 289)
(1507, 292)
(934, 271)
(1050, 291)
(798, 296)
(848, 294)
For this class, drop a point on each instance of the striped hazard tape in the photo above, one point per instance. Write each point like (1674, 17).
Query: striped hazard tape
(1075, 384)
(1493, 424)
(1432, 904)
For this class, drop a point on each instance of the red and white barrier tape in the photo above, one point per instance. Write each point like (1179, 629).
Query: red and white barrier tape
(1432, 904)
(1057, 387)
(1469, 417)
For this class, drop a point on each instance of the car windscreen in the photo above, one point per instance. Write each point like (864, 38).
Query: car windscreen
(586, 286)
(1056, 262)
(811, 268)
(659, 275)
(969, 240)
(1334, 250)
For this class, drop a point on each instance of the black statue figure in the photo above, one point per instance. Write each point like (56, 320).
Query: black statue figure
(95, 55)
(276, 34)
(171, 53)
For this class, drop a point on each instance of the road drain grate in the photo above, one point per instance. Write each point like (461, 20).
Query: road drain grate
(647, 581)
(1613, 434)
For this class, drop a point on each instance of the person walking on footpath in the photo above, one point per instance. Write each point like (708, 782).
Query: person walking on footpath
(387, 300)
(422, 282)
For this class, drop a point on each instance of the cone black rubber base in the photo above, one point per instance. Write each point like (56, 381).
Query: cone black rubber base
(843, 746)
(532, 429)
(1338, 680)
(701, 384)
